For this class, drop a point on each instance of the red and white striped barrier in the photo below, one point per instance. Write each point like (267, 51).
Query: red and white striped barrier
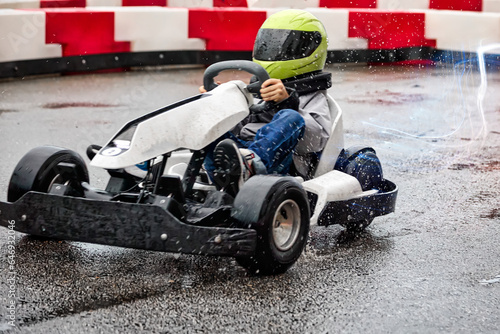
(47, 33)
(459, 5)
(464, 31)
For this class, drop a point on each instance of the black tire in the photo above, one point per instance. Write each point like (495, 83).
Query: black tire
(92, 151)
(39, 169)
(278, 209)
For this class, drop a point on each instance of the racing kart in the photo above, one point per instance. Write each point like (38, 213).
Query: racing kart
(174, 207)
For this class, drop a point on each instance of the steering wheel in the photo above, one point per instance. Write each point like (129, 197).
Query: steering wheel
(241, 65)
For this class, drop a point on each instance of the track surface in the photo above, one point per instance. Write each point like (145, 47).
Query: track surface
(433, 266)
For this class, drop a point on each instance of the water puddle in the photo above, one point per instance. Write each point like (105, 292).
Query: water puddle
(61, 105)
(495, 213)
(6, 111)
(387, 97)
(490, 281)
(488, 166)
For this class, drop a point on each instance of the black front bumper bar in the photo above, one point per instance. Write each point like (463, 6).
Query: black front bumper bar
(139, 226)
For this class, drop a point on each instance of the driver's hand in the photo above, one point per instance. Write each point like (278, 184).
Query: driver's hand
(273, 90)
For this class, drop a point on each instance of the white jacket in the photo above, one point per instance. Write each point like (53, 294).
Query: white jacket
(313, 107)
(312, 104)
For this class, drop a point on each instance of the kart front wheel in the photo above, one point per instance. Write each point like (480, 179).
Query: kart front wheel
(277, 208)
(43, 167)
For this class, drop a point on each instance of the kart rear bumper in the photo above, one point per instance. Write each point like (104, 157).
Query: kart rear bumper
(140, 226)
(361, 208)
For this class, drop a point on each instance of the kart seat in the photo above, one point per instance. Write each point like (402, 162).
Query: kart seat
(335, 142)
(324, 161)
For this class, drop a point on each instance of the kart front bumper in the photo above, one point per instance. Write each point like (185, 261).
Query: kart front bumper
(139, 226)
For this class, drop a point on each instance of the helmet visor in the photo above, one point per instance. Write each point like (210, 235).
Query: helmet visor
(285, 44)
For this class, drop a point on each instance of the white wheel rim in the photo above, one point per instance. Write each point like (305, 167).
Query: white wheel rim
(286, 225)
(58, 179)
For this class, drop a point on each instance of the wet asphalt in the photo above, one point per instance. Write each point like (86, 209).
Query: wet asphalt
(431, 267)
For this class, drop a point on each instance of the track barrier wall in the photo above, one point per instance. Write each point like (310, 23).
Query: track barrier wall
(59, 36)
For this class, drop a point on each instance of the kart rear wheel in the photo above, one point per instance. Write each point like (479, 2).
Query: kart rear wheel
(40, 168)
(277, 208)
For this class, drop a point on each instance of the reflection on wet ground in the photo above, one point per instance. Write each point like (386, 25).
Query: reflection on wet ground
(81, 277)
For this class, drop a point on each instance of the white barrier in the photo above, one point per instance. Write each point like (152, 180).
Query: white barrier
(190, 3)
(153, 28)
(402, 4)
(491, 6)
(336, 23)
(15, 4)
(104, 3)
(22, 36)
(462, 31)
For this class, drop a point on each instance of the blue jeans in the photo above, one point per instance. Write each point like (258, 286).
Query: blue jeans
(274, 143)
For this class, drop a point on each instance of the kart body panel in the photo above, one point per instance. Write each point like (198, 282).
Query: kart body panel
(192, 124)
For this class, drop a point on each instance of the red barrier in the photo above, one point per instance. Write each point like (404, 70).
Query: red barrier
(62, 3)
(226, 29)
(230, 3)
(348, 3)
(472, 5)
(389, 30)
(83, 32)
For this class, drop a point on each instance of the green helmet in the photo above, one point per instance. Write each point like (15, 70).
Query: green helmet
(289, 43)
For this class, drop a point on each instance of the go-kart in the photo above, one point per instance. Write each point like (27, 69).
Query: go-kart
(174, 207)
